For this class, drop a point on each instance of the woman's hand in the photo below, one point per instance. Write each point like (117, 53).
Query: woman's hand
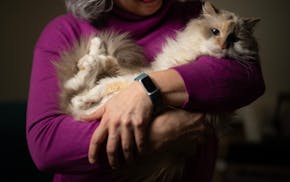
(176, 126)
(124, 119)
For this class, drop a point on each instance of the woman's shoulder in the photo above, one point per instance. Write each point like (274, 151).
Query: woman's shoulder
(70, 22)
(70, 26)
(63, 31)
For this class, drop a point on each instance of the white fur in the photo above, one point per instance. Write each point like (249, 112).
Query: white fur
(178, 51)
(188, 45)
(94, 49)
(85, 64)
(96, 95)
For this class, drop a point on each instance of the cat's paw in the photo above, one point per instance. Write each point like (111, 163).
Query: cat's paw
(72, 84)
(97, 47)
(81, 103)
(86, 62)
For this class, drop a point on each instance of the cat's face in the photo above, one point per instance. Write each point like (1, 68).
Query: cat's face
(226, 34)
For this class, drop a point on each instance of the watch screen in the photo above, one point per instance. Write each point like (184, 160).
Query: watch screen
(148, 84)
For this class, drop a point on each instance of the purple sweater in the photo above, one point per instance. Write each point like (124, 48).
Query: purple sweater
(59, 144)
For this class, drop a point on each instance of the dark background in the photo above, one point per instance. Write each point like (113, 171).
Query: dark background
(21, 24)
(23, 21)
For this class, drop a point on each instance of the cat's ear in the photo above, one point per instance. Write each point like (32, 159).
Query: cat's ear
(209, 9)
(250, 23)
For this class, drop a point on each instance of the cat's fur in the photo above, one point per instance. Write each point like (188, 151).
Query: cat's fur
(100, 66)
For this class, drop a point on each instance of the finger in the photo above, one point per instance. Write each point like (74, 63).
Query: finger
(98, 138)
(127, 141)
(139, 133)
(95, 115)
(112, 147)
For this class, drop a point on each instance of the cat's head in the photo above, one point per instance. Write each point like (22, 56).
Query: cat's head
(226, 34)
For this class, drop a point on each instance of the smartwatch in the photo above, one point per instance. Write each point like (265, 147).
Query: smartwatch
(152, 91)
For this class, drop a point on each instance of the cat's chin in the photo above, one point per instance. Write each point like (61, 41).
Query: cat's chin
(214, 51)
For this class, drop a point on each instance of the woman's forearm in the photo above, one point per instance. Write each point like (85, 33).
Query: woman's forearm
(211, 84)
(171, 86)
(176, 126)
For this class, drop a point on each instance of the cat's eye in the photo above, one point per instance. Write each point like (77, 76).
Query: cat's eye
(215, 31)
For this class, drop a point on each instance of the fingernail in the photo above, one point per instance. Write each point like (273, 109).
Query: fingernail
(92, 161)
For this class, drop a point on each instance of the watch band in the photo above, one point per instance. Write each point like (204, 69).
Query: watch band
(152, 90)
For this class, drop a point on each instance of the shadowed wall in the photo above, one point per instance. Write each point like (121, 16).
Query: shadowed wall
(21, 24)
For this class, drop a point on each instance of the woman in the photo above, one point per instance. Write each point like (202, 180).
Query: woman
(61, 145)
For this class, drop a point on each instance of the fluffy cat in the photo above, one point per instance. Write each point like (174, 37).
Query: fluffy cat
(100, 66)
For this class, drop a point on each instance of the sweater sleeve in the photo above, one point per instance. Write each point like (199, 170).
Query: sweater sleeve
(57, 143)
(220, 84)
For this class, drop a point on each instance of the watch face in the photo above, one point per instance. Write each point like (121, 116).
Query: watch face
(148, 84)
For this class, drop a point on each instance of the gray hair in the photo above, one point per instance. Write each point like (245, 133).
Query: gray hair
(89, 9)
